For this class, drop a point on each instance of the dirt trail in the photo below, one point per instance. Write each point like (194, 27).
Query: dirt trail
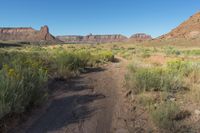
(87, 104)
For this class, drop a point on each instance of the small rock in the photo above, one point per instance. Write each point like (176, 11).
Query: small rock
(197, 112)
(171, 98)
(155, 106)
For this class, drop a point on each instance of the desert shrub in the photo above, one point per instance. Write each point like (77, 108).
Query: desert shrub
(146, 99)
(105, 56)
(164, 115)
(165, 78)
(190, 71)
(191, 52)
(24, 73)
(127, 55)
(145, 52)
(142, 79)
(21, 85)
(67, 63)
(64, 63)
(171, 51)
(99, 57)
(183, 68)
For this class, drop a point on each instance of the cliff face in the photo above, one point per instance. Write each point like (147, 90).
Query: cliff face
(140, 37)
(188, 29)
(26, 34)
(93, 39)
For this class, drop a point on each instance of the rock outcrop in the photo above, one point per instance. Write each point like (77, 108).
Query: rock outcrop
(27, 35)
(71, 39)
(140, 37)
(187, 30)
(93, 38)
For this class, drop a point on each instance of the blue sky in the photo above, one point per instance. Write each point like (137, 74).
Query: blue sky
(81, 17)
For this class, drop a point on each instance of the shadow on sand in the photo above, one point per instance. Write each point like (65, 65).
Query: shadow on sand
(69, 106)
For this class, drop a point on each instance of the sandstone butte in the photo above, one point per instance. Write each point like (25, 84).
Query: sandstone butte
(140, 37)
(27, 35)
(189, 29)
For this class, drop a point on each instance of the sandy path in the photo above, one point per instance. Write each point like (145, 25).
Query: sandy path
(83, 105)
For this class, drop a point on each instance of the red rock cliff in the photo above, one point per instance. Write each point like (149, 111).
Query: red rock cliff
(26, 34)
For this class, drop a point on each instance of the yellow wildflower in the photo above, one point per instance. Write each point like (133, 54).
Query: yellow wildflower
(11, 73)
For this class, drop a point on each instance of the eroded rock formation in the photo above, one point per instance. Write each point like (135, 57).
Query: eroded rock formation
(187, 30)
(140, 37)
(93, 39)
(26, 34)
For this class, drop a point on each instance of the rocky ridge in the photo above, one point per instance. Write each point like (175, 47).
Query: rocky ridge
(189, 29)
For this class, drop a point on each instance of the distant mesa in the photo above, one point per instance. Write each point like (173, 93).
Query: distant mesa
(189, 29)
(27, 34)
(92, 38)
(140, 37)
(103, 38)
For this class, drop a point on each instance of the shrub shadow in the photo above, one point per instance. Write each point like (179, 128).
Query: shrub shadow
(69, 106)
(4, 45)
(65, 111)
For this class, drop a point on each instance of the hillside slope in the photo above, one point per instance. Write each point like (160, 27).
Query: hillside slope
(188, 29)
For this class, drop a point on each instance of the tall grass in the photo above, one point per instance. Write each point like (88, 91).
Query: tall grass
(21, 81)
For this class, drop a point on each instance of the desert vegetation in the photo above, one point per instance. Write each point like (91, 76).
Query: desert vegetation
(165, 83)
(25, 72)
(163, 80)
